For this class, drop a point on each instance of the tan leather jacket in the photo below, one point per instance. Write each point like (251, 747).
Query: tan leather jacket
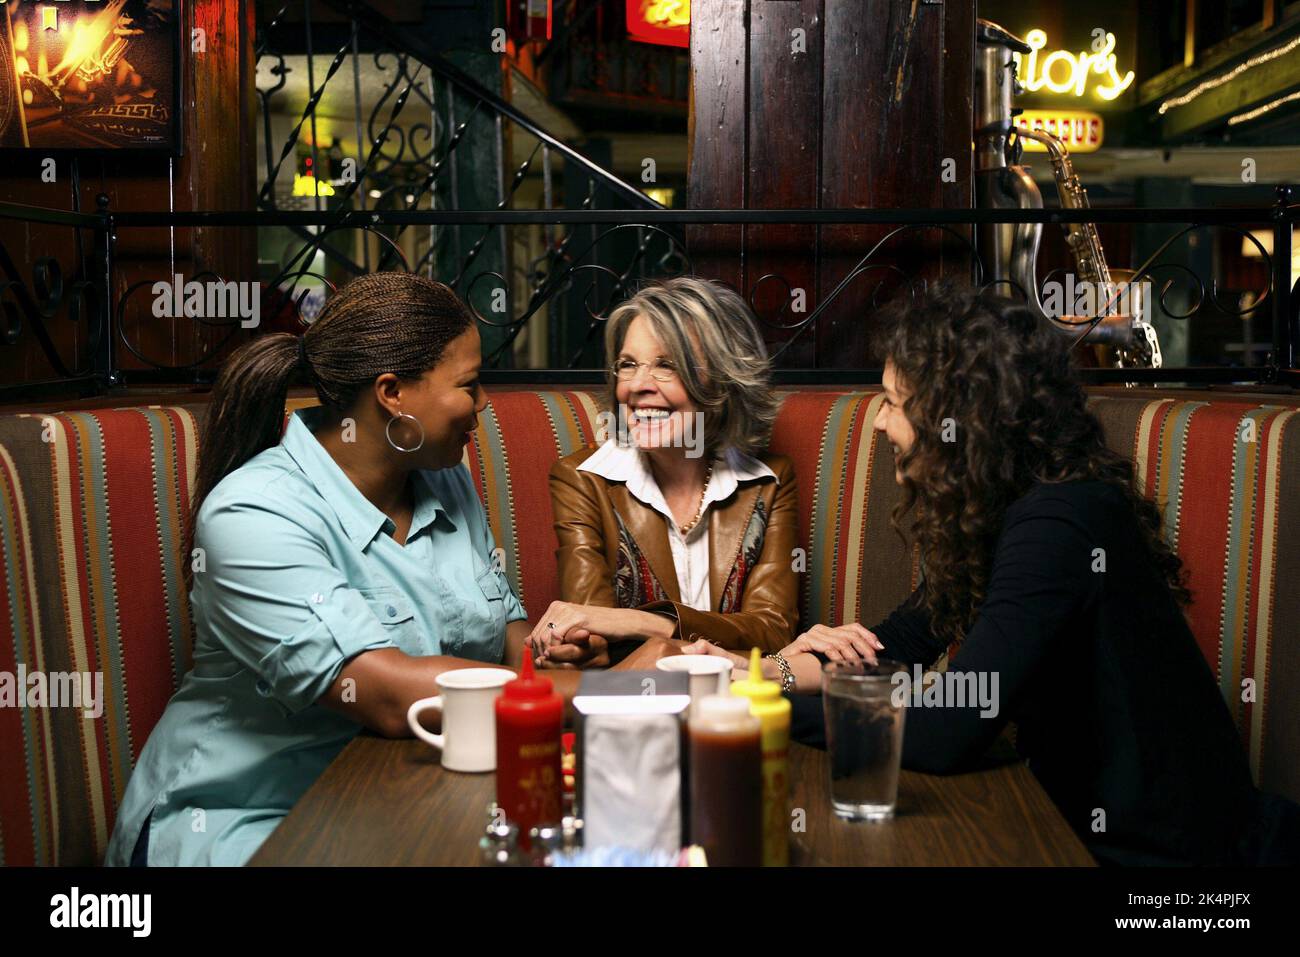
(614, 552)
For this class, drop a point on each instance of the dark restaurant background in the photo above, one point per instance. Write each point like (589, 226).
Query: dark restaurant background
(785, 124)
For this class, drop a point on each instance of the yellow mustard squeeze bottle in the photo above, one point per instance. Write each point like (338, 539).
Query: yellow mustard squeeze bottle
(773, 713)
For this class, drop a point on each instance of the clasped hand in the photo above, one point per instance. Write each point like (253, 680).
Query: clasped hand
(578, 636)
(573, 636)
(851, 642)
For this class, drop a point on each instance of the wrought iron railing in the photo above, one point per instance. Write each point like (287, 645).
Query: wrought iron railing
(451, 98)
(32, 303)
(420, 121)
(540, 275)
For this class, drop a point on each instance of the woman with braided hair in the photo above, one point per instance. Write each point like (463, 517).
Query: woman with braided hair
(336, 569)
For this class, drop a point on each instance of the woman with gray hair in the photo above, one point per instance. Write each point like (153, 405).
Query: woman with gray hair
(680, 525)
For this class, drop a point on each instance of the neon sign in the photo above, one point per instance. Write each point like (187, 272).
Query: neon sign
(1064, 72)
(666, 22)
(1080, 130)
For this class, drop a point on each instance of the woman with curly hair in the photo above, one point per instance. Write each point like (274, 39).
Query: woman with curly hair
(1048, 570)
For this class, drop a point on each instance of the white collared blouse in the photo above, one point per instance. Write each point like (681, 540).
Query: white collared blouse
(623, 463)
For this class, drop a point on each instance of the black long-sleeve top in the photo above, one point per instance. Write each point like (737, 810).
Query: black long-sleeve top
(1117, 711)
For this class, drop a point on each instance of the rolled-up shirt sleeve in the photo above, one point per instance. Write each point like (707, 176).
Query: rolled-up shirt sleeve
(514, 607)
(277, 603)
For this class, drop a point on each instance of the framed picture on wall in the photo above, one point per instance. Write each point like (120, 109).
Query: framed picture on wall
(90, 75)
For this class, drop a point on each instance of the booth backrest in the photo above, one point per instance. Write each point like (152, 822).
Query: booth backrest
(857, 568)
(91, 508)
(91, 519)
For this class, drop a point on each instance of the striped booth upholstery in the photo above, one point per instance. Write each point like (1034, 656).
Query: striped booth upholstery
(1226, 474)
(90, 530)
(91, 507)
(844, 514)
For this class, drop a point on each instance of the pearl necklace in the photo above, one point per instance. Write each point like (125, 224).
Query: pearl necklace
(685, 529)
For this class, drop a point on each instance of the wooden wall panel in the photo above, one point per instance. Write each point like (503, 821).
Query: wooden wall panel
(782, 173)
(865, 118)
(717, 158)
(887, 130)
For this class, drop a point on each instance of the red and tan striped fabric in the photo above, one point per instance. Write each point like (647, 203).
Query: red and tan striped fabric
(90, 531)
(520, 435)
(1227, 474)
(857, 567)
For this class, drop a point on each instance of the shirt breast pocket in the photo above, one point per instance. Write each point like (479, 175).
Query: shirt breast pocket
(396, 614)
(489, 583)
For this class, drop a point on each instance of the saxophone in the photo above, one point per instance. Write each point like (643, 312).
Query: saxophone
(1010, 251)
(1143, 351)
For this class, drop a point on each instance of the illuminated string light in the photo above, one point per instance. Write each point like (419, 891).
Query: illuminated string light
(1232, 74)
(1261, 110)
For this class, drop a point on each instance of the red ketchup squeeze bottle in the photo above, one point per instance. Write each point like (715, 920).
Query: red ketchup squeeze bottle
(530, 719)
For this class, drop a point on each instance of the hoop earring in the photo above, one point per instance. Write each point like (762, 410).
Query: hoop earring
(389, 435)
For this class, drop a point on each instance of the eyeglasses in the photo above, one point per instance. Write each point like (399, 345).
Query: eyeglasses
(660, 370)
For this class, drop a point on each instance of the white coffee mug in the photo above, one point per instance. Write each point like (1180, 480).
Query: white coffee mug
(710, 674)
(469, 724)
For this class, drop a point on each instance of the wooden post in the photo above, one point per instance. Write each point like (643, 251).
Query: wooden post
(806, 104)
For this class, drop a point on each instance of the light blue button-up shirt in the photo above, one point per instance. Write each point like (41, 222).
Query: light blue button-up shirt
(298, 574)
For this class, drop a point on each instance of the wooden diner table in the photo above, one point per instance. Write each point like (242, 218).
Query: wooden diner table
(389, 802)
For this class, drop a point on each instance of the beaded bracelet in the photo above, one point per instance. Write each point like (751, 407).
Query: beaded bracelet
(787, 676)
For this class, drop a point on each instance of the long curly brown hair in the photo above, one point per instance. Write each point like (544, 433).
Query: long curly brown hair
(1002, 378)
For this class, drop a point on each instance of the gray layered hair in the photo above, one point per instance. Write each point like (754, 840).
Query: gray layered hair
(712, 339)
